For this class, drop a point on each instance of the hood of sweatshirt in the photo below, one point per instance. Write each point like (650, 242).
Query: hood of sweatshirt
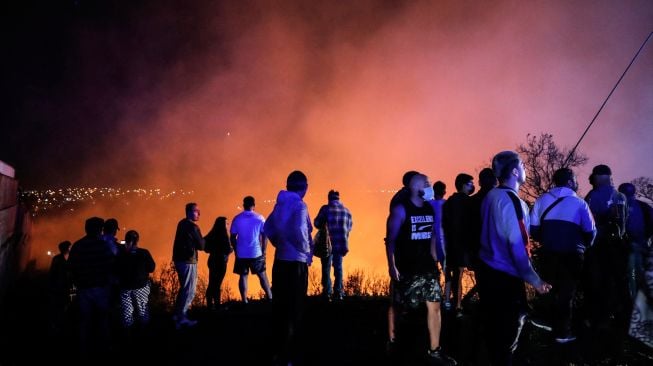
(289, 228)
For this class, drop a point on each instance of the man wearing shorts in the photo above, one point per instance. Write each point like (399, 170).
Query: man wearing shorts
(411, 251)
(249, 241)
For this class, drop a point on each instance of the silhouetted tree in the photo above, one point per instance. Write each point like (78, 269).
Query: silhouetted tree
(542, 157)
(644, 186)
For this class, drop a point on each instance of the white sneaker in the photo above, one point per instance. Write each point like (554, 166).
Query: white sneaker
(567, 339)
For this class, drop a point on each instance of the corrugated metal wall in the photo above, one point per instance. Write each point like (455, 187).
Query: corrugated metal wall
(15, 225)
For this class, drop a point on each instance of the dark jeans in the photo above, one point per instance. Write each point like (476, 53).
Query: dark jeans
(217, 271)
(563, 272)
(94, 309)
(289, 286)
(334, 260)
(503, 307)
(604, 281)
(452, 274)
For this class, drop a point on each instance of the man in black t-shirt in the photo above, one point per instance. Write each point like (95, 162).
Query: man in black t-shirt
(411, 251)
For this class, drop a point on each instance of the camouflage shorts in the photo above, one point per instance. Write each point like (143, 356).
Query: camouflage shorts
(414, 290)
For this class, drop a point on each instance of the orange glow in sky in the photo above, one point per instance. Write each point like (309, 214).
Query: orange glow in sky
(356, 95)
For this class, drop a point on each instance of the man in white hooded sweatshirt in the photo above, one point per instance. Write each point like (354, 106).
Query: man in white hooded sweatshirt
(289, 229)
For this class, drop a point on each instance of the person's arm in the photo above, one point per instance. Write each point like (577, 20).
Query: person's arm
(268, 228)
(233, 239)
(197, 238)
(301, 222)
(350, 221)
(536, 231)
(264, 242)
(515, 235)
(395, 220)
(149, 261)
(438, 233)
(587, 224)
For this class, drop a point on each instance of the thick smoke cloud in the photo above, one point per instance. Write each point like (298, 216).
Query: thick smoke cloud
(227, 99)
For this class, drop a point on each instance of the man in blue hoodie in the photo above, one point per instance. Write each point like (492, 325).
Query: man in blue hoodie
(289, 229)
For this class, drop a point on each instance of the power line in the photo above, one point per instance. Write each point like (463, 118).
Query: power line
(606, 99)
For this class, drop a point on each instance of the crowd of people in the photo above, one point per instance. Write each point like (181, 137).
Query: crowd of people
(599, 244)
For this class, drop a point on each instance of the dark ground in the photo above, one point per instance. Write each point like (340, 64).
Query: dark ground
(352, 332)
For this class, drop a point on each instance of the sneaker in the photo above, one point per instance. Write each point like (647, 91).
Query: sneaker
(566, 339)
(391, 347)
(447, 305)
(540, 324)
(459, 313)
(439, 358)
(184, 322)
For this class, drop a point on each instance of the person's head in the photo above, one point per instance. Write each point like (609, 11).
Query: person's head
(405, 180)
(93, 226)
(465, 183)
(249, 203)
(192, 211)
(601, 175)
(565, 177)
(219, 226)
(508, 167)
(131, 239)
(439, 189)
(628, 189)
(64, 247)
(333, 195)
(297, 182)
(111, 227)
(487, 179)
(418, 185)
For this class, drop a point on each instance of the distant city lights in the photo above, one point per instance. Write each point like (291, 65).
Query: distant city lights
(40, 201)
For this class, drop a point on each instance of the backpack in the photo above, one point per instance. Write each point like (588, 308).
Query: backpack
(323, 248)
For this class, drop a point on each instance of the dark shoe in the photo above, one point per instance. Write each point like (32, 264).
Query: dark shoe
(391, 347)
(437, 357)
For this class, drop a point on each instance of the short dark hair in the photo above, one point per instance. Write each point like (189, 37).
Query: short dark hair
(562, 176)
(486, 178)
(248, 202)
(64, 246)
(190, 206)
(628, 189)
(333, 195)
(408, 176)
(462, 179)
(296, 181)
(132, 236)
(111, 226)
(503, 163)
(439, 188)
(93, 226)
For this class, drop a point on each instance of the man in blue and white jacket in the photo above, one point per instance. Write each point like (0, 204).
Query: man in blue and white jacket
(563, 224)
(289, 229)
(505, 264)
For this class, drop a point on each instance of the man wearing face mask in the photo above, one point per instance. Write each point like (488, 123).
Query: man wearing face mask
(562, 222)
(412, 259)
(456, 221)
